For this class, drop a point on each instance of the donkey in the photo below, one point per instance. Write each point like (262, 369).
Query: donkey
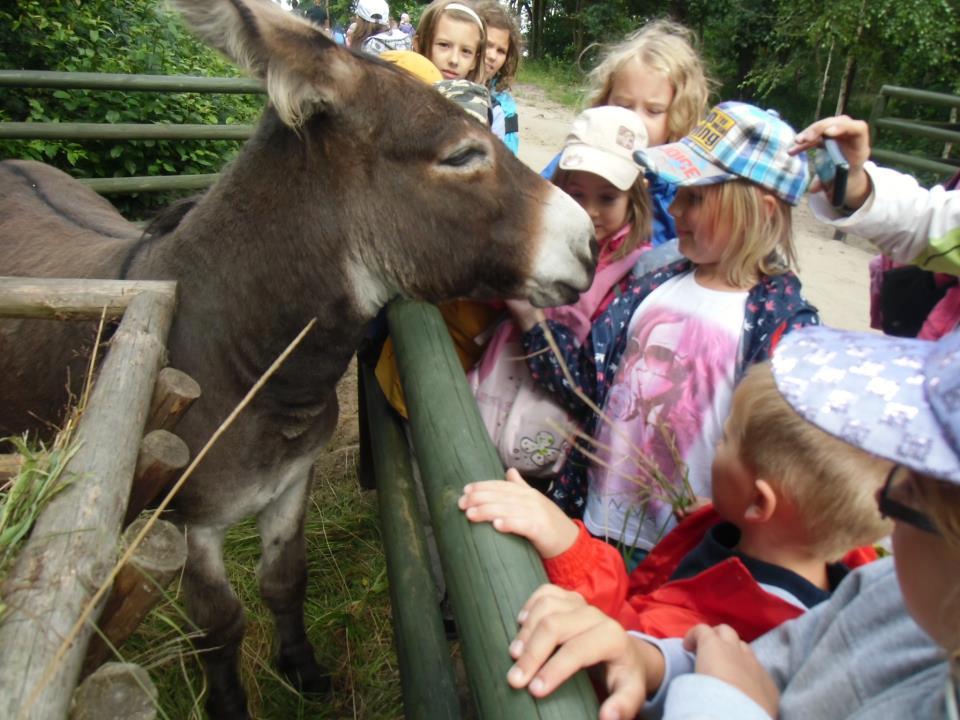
(340, 201)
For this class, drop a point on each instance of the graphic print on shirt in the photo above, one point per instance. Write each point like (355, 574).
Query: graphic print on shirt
(662, 408)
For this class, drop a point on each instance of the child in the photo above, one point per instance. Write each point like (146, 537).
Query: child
(370, 20)
(597, 170)
(501, 61)
(662, 361)
(908, 224)
(452, 35)
(657, 73)
(789, 500)
(886, 645)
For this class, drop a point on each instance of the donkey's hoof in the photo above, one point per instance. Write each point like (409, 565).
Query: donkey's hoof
(300, 667)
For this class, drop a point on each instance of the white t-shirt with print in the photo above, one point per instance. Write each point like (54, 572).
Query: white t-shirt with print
(670, 396)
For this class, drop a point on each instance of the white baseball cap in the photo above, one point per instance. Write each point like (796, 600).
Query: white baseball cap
(373, 11)
(602, 141)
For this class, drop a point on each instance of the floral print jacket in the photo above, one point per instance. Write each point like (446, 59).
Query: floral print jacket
(774, 307)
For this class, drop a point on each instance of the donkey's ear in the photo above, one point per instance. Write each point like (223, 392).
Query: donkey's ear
(302, 68)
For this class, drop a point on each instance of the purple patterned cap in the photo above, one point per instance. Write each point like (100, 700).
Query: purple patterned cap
(895, 397)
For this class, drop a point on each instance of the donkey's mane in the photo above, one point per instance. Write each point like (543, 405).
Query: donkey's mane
(164, 222)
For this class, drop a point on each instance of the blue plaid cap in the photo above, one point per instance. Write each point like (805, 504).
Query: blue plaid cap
(735, 140)
(897, 398)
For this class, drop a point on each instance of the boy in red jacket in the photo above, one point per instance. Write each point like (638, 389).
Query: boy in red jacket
(789, 501)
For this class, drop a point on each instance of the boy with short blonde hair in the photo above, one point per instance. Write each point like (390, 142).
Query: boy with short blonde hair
(788, 500)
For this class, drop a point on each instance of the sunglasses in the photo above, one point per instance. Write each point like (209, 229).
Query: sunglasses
(898, 500)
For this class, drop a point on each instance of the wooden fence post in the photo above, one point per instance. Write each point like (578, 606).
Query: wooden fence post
(116, 690)
(162, 456)
(138, 587)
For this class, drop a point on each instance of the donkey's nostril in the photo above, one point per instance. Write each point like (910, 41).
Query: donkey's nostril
(594, 250)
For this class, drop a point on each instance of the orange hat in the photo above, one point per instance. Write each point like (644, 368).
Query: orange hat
(414, 63)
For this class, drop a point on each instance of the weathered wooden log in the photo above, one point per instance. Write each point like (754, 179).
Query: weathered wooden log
(117, 691)
(423, 653)
(74, 541)
(73, 299)
(173, 395)
(138, 587)
(489, 575)
(162, 456)
(9, 465)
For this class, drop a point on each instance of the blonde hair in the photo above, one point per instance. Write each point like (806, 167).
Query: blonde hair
(832, 484)
(639, 212)
(761, 242)
(666, 47)
(500, 17)
(427, 31)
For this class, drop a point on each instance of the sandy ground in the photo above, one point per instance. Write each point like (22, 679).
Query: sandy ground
(834, 273)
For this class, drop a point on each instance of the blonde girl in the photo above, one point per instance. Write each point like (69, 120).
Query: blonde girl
(501, 62)
(662, 361)
(451, 35)
(656, 72)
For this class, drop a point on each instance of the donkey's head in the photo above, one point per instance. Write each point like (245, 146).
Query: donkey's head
(403, 190)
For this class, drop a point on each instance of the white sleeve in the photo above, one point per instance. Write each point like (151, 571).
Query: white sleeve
(704, 697)
(900, 217)
(677, 662)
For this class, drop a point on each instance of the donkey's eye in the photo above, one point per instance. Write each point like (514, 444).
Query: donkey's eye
(464, 156)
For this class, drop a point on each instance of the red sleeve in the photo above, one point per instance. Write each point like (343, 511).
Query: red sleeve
(594, 569)
(860, 556)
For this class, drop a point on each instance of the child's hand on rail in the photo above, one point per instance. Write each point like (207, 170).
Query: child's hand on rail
(853, 137)
(560, 634)
(512, 506)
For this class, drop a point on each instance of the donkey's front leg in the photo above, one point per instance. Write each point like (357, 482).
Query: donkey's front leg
(283, 582)
(216, 611)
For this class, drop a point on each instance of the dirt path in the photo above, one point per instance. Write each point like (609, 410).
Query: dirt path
(834, 273)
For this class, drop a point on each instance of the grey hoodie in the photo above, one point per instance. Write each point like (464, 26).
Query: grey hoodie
(858, 655)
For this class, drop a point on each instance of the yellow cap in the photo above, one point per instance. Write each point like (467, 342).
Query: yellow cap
(414, 63)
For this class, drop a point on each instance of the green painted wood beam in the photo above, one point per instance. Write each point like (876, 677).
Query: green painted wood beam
(121, 131)
(426, 672)
(127, 83)
(489, 576)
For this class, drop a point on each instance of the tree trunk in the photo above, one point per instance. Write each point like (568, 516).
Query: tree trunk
(846, 82)
(824, 80)
(536, 28)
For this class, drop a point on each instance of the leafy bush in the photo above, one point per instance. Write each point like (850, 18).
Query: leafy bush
(129, 36)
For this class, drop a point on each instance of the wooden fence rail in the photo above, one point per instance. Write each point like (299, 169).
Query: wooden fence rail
(882, 123)
(488, 575)
(129, 131)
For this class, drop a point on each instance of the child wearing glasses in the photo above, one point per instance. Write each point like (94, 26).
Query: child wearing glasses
(789, 500)
(887, 643)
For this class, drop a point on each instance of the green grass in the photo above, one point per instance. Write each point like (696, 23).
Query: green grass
(347, 616)
(562, 82)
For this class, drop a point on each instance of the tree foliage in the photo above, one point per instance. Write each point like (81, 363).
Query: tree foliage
(116, 36)
(789, 54)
